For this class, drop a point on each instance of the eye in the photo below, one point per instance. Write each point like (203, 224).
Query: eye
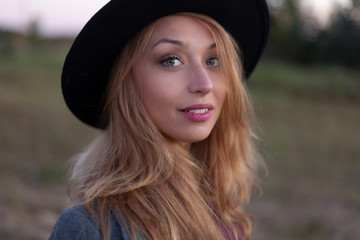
(171, 61)
(213, 61)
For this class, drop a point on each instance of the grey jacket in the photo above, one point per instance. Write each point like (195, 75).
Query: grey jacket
(77, 223)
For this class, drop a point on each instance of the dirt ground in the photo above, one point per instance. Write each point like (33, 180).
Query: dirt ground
(310, 139)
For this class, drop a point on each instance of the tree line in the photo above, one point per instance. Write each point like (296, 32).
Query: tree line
(295, 36)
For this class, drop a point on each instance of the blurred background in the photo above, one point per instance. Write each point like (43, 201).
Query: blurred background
(306, 92)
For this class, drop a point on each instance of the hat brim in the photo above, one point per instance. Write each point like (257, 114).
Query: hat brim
(89, 62)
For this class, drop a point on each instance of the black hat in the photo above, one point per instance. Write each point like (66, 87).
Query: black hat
(93, 53)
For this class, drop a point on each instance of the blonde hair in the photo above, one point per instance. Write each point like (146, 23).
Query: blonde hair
(160, 189)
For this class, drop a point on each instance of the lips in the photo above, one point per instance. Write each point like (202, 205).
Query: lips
(198, 112)
(198, 107)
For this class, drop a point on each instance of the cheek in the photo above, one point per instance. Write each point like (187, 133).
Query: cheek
(156, 88)
(221, 91)
(157, 96)
(154, 98)
(155, 91)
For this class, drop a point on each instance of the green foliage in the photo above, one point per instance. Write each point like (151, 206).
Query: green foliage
(296, 36)
(341, 42)
(326, 81)
(6, 43)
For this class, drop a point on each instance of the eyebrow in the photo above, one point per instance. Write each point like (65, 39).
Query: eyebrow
(171, 41)
(178, 43)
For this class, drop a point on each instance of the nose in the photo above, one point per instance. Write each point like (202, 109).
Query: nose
(200, 80)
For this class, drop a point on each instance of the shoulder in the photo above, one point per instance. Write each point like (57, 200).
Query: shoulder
(77, 223)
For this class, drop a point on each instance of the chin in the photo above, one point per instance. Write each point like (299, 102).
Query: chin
(193, 137)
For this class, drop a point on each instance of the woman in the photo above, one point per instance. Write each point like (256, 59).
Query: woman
(176, 158)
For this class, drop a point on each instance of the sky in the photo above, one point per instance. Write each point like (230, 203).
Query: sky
(67, 17)
(55, 17)
(323, 8)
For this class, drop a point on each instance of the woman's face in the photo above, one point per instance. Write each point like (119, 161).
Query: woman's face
(179, 79)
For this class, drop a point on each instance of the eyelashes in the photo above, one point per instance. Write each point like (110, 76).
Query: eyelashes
(173, 60)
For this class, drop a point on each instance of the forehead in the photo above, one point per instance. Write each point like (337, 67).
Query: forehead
(182, 28)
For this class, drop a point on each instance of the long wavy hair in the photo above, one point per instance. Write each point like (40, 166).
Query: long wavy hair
(153, 184)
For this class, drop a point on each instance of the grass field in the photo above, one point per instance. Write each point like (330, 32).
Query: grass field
(309, 123)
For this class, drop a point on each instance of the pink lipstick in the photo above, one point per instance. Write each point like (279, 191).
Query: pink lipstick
(198, 112)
